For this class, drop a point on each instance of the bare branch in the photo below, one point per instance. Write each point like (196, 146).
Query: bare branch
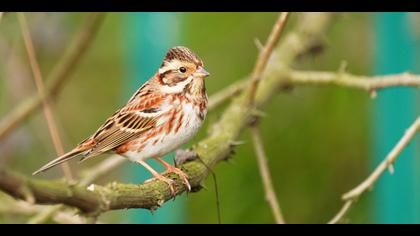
(52, 126)
(342, 213)
(60, 75)
(368, 83)
(388, 161)
(44, 215)
(353, 195)
(12, 207)
(270, 194)
(325, 78)
(68, 217)
(103, 168)
(264, 56)
(222, 96)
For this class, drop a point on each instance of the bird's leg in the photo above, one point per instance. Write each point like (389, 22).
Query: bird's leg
(158, 176)
(172, 169)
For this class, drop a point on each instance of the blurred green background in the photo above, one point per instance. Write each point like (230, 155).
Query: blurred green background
(316, 138)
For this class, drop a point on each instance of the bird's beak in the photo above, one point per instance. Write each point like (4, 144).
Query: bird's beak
(201, 72)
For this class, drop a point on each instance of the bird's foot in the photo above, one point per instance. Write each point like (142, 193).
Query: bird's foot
(171, 183)
(181, 174)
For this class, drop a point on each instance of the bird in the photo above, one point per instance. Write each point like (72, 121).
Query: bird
(163, 114)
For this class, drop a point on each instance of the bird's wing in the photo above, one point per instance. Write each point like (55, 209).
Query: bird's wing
(140, 114)
(126, 124)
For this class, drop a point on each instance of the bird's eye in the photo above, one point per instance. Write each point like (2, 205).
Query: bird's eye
(183, 69)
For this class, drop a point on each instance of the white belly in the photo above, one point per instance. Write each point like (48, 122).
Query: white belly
(164, 143)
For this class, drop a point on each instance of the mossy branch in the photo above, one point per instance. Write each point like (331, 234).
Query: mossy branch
(95, 199)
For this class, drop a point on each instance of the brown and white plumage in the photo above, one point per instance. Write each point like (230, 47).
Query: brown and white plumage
(162, 115)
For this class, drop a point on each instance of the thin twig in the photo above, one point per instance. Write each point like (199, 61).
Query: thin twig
(368, 83)
(44, 215)
(386, 163)
(258, 44)
(60, 75)
(11, 206)
(270, 194)
(325, 78)
(101, 169)
(265, 54)
(342, 213)
(216, 188)
(224, 95)
(351, 196)
(262, 61)
(259, 69)
(37, 75)
(69, 217)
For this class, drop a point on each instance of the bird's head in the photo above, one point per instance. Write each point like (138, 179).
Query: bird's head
(181, 69)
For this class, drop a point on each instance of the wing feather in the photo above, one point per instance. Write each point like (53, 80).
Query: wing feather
(122, 132)
(126, 124)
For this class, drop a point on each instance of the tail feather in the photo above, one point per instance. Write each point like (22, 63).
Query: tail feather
(70, 155)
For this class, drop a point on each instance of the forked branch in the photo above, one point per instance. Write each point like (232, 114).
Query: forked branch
(270, 193)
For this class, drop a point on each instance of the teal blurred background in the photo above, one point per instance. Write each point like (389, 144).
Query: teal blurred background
(318, 139)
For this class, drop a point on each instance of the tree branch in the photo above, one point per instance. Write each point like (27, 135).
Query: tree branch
(342, 213)
(227, 93)
(81, 45)
(353, 195)
(325, 78)
(386, 163)
(88, 176)
(37, 75)
(45, 214)
(96, 199)
(265, 54)
(368, 83)
(270, 194)
(60, 75)
(13, 207)
(102, 169)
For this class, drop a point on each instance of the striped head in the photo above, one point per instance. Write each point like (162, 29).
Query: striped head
(181, 69)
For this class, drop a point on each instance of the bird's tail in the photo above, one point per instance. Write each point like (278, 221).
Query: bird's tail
(70, 155)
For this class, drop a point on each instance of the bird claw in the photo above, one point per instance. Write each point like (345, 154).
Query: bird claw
(182, 175)
(171, 183)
